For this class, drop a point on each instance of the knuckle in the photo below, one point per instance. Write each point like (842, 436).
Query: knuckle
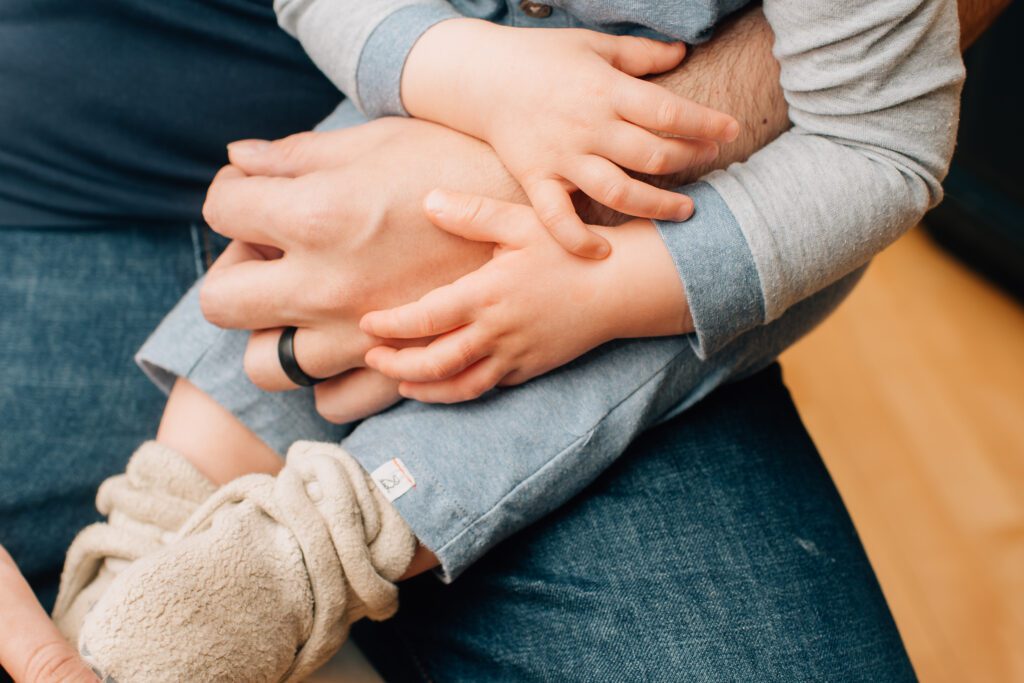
(614, 192)
(311, 222)
(329, 295)
(551, 215)
(211, 207)
(424, 323)
(466, 353)
(473, 209)
(211, 302)
(657, 162)
(435, 370)
(51, 662)
(666, 114)
(292, 148)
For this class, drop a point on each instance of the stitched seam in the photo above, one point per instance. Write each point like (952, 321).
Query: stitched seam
(197, 250)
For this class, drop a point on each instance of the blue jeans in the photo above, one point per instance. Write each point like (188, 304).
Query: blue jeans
(716, 547)
(487, 468)
(74, 307)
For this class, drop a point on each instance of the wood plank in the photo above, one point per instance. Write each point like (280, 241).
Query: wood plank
(914, 393)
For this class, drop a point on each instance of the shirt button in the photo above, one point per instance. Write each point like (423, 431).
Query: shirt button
(535, 10)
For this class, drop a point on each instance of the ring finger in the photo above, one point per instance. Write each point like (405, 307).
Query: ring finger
(320, 354)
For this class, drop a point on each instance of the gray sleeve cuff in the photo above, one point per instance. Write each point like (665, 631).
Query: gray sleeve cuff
(717, 270)
(382, 60)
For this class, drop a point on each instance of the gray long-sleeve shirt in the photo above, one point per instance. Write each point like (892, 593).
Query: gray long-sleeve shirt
(873, 91)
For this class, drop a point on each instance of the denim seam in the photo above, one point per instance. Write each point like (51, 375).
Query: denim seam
(472, 526)
(197, 249)
(202, 356)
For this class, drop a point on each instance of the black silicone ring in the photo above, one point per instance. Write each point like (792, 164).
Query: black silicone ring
(286, 357)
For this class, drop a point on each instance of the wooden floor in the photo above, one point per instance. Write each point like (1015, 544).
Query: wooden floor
(914, 393)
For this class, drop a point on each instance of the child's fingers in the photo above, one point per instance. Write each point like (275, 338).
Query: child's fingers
(640, 150)
(608, 184)
(639, 56)
(442, 359)
(468, 385)
(439, 311)
(476, 218)
(654, 107)
(554, 208)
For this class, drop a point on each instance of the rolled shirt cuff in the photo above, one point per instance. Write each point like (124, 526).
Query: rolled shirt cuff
(717, 268)
(382, 60)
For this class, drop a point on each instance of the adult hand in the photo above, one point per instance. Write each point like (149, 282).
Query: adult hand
(340, 228)
(32, 650)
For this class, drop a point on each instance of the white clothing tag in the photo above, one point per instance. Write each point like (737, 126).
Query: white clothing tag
(393, 479)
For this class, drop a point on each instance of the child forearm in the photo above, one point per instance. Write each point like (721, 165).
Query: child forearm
(875, 126)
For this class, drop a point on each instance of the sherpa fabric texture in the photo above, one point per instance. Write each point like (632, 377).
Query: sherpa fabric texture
(157, 493)
(262, 582)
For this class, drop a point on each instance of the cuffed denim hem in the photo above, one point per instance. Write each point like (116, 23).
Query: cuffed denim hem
(186, 345)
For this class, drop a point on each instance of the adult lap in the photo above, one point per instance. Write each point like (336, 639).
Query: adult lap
(76, 305)
(716, 549)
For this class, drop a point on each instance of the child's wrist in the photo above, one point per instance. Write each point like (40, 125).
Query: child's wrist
(645, 295)
(437, 81)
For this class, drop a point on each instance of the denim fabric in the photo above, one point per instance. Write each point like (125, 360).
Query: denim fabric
(75, 306)
(487, 468)
(715, 549)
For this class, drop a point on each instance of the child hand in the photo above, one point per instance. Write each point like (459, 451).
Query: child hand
(530, 309)
(565, 109)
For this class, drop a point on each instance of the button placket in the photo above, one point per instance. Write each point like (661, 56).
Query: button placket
(535, 10)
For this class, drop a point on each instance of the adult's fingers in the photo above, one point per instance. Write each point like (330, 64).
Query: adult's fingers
(319, 352)
(355, 395)
(303, 153)
(253, 208)
(239, 252)
(252, 295)
(32, 650)
(657, 108)
(608, 184)
(553, 205)
(640, 150)
(639, 56)
(477, 218)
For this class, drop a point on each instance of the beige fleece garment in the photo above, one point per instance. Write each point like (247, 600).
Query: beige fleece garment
(150, 501)
(261, 583)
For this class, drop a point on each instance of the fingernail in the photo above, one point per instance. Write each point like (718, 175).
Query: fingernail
(732, 130)
(710, 154)
(434, 203)
(247, 148)
(602, 250)
(685, 211)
